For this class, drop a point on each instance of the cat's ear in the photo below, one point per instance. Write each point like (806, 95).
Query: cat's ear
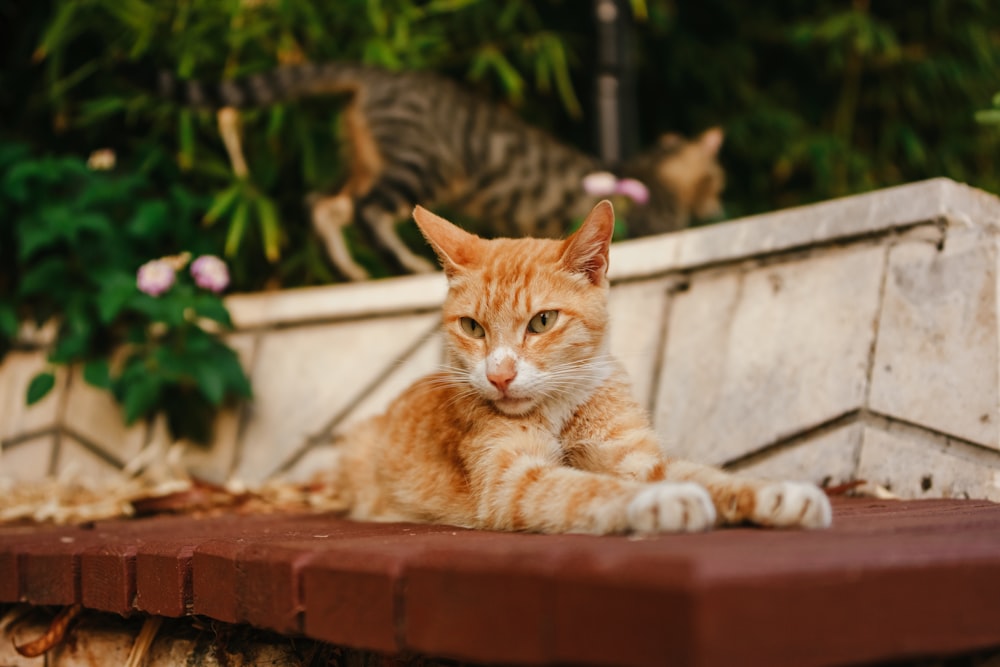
(454, 246)
(711, 140)
(586, 251)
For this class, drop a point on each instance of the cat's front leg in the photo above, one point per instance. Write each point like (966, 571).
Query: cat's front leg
(781, 504)
(521, 484)
(633, 454)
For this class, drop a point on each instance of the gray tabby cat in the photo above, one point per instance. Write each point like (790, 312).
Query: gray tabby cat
(418, 138)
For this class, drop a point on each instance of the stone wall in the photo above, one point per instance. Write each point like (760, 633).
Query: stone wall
(853, 339)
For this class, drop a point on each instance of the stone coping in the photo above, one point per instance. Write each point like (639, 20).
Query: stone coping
(891, 580)
(938, 200)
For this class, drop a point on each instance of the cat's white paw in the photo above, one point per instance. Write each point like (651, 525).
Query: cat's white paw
(792, 504)
(671, 507)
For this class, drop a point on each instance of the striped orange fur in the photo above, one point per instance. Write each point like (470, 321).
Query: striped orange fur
(531, 425)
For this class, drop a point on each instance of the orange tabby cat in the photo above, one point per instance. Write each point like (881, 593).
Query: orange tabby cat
(531, 425)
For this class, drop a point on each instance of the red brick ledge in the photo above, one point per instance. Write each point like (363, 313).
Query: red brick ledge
(890, 580)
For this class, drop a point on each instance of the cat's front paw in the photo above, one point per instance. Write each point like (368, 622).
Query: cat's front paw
(670, 507)
(792, 505)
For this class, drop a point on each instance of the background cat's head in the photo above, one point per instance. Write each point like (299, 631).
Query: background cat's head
(689, 171)
(525, 320)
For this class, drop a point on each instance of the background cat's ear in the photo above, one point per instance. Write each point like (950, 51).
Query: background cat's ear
(454, 246)
(671, 141)
(587, 250)
(711, 140)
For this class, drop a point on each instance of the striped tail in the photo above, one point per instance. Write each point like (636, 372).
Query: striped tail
(281, 84)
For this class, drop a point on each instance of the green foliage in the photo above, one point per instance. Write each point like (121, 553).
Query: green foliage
(292, 149)
(818, 99)
(70, 244)
(825, 99)
(990, 116)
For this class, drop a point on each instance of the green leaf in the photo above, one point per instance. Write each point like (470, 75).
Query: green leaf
(95, 223)
(210, 383)
(237, 226)
(93, 111)
(8, 320)
(40, 386)
(36, 235)
(488, 58)
(45, 278)
(185, 122)
(140, 397)
(227, 364)
(97, 373)
(116, 290)
(275, 122)
(71, 347)
(989, 116)
(212, 307)
(222, 203)
(236, 377)
(151, 219)
(560, 66)
(57, 32)
(270, 228)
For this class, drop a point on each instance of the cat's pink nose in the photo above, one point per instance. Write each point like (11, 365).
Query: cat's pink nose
(502, 374)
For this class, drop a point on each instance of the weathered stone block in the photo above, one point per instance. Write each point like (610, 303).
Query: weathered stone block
(28, 460)
(76, 461)
(916, 466)
(637, 318)
(752, 358)
(937, 359)
(305, 376)
(425, 359)
(828, 459)
(93, 414)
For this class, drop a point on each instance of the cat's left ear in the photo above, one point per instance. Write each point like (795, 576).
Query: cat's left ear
(586, 251)
(711, 140)
(454, 246)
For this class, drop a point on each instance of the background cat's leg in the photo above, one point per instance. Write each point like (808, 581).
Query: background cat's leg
(228, 120)
(382, 223)
(330, 215)
(520, 484)
(766, 503)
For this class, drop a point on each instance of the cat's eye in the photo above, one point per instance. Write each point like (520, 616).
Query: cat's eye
(472, 327)
(543, 321)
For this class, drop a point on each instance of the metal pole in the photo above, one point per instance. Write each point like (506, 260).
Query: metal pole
(616, 109)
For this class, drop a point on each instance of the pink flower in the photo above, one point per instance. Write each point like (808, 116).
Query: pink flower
(155, 277)
(210, 272)
(604, 184)
(633, 189)
(599, 183)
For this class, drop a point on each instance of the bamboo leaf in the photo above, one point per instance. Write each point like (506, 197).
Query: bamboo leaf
(270, 227)
(237, 227)
(556, 51)
(222, 203)
(186, 132)
(59, 30)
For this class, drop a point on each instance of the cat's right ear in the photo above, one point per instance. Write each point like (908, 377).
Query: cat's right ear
(454, 246)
